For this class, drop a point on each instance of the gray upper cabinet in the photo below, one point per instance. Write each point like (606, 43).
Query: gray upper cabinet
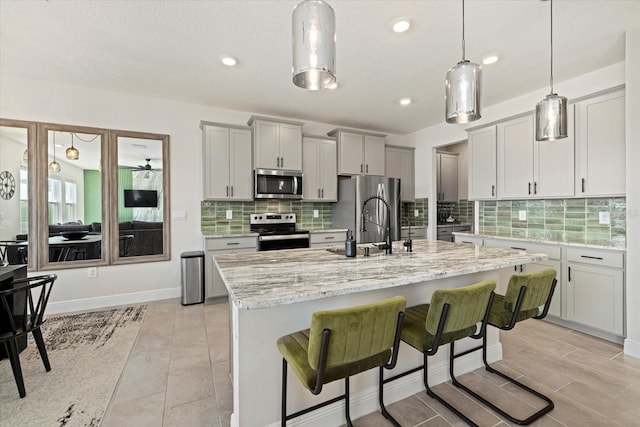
(319, 163)
(277, 144)
(226, 155)
(482, 164)
(600, 145)
(447, 177)
(359, 153)
(399, 163)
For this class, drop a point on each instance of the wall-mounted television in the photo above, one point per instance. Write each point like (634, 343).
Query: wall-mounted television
(140, 199)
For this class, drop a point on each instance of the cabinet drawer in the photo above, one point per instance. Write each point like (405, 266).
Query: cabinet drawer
(231, 243)
(445, 231)
(596, 257)
(470, 240)
(327, 238)
(552, 251)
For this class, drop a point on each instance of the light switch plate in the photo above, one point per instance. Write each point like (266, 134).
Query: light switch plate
(92, 272)
(522, 215)
(416, 213)
(316, 214)
(229, 214)
(179, 215)
(604, 218)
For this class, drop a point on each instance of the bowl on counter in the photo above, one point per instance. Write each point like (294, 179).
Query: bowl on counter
(74, 235)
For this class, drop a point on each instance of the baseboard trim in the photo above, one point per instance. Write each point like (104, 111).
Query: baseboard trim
(366, 401)
(632, 348)
(111, 300)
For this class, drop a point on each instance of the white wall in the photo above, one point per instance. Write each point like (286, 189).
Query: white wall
(632, 343)
(10, 160)
(56, 103)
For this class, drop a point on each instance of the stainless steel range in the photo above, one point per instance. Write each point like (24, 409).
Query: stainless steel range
(278, 231)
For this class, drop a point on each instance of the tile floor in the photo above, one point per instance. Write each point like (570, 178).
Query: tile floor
(177, 375)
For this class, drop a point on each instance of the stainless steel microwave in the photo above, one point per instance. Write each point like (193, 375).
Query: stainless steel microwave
(278, 184)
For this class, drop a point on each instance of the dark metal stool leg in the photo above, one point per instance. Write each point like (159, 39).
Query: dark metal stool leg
(37, 335)
(383, 409)
(283, 421)
(12, 350)
(346, 401)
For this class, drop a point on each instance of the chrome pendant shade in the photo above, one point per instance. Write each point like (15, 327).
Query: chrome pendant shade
(314, 45)
(463, 89)
(72, 152)
(551, 112)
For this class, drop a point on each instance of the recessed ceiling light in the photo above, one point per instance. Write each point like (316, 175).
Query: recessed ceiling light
(229, 61)
(491, 59)
(400, 25)
(405, 101)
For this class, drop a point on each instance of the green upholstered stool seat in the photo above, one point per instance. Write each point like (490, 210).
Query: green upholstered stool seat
(526, 293)
(341, 343)
(452, 314)
(414, 334)
(294, 349)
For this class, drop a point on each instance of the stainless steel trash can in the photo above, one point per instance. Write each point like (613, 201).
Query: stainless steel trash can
(192, 267)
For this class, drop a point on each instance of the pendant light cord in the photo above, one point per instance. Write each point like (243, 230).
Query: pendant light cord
(463, 55)
(551, 78)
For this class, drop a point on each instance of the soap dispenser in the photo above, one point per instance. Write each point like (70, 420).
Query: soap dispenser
(350, 245)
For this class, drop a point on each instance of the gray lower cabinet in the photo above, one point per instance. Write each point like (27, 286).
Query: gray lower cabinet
(413, 232)
(214, 286)
(595, 289)
(445, 232)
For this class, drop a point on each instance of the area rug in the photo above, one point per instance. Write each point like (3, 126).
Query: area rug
(87, 352)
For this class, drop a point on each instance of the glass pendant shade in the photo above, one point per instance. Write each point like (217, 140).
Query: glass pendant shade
(314, 45)
(25, 155)
(462, 93)
(551, 118)
(54, 166)
(72, 152)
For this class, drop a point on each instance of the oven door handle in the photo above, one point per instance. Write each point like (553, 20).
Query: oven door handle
(295, 185)
(283, 237)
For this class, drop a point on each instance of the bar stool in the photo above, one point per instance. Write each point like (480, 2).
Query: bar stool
(453, 314)
(339, 344)
(525, 294)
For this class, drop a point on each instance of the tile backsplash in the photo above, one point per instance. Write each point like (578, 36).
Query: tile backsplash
(213, 220)
(563, 220)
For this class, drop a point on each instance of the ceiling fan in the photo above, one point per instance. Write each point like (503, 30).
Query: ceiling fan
(146, 167)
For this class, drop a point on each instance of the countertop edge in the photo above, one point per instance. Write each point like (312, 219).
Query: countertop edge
(546, 242)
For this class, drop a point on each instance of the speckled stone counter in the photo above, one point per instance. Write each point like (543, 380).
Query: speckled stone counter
(272, 278)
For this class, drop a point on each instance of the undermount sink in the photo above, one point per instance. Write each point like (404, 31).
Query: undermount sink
(373, 251)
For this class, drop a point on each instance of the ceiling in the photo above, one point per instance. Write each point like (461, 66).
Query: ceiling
(171, 50)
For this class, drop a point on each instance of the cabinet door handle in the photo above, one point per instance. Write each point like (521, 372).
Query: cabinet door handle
(281, 162)
(322, 193)
(591, 257)
(318, 193)
(329, 237)
(367, 169)
(535, 188)
(361, 170)
(518, 249)
(583, 184)
(227, 191)
(493, 190)
(232, 243)
(232, 191)
(569, 273)
(521, 268)
(529, 188)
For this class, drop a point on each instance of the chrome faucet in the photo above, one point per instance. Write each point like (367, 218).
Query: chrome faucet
(387, 238)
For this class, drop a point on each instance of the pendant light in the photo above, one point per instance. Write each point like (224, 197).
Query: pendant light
(551, 112)
(72, 152)
(314, 45)
(463, 89)
(54, 166)
(25, 155)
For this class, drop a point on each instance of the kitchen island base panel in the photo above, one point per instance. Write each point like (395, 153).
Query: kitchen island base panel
(256, 363)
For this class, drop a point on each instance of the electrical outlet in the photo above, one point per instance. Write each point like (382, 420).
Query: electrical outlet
(229, 214)
(522, 215)
(416, 213)
(92, 272)
(316, 214)
(604, 218)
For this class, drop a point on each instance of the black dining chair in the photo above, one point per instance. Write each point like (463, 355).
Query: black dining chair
(22, 308)
(125, 244)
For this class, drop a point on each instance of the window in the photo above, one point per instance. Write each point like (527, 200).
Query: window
(23, 191)
(70, 200)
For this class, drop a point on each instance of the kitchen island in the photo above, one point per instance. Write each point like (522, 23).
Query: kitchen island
(273, 293)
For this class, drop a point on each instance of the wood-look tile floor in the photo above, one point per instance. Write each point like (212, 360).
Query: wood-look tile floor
(177, 375)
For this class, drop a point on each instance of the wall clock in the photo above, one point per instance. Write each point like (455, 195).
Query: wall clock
(7, 185)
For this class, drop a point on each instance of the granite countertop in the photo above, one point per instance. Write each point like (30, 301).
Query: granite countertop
(273, 278)
(550, 242)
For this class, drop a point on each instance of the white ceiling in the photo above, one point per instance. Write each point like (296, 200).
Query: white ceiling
(171, 50)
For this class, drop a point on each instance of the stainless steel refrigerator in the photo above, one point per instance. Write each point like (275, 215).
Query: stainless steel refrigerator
(349, 211)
